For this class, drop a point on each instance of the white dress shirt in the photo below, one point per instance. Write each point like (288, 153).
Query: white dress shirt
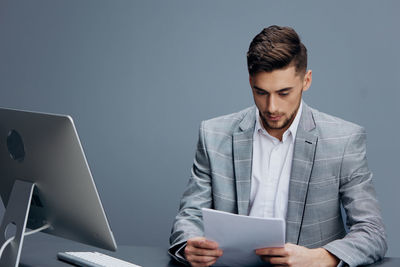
(272, 161)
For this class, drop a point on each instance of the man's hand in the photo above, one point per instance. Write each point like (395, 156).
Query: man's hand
(200, 252)
(298, 256)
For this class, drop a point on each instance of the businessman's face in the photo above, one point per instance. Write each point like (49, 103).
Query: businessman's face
(277, 95)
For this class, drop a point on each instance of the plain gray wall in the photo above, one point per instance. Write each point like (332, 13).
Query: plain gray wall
(139, 76)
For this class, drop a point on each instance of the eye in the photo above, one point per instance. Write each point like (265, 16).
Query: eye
(283, 94)
(259, 92)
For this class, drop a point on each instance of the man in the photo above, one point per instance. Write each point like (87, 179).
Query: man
(283, 159)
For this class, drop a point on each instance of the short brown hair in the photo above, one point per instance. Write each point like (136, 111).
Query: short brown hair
(275, 48)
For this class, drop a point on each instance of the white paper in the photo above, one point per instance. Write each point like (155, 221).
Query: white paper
(239, 236)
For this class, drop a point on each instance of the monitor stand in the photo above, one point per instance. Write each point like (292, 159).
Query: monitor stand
(16, 213)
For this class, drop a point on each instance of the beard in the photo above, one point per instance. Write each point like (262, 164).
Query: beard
(283, 123)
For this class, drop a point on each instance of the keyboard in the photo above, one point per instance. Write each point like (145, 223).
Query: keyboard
(93, 259)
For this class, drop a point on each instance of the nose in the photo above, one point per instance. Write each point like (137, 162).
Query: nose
(272, 105)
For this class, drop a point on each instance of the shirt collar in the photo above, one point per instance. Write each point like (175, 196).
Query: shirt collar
(292, 130)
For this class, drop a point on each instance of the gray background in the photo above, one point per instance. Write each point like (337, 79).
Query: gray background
(139, 76)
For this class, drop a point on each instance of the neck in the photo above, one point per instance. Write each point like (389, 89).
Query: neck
(277, 133)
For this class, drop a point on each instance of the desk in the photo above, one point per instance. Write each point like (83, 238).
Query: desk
(41, 250)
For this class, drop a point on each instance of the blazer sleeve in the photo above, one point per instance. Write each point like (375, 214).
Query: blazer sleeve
(365, 242)
(188, 223)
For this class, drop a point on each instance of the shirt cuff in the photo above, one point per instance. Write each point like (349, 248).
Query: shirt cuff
(177, 252)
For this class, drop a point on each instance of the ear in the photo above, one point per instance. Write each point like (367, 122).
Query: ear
(307, 80)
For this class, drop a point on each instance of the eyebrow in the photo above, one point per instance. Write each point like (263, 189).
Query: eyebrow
(278, 91)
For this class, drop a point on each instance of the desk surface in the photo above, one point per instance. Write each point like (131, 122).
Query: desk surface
(41, 250)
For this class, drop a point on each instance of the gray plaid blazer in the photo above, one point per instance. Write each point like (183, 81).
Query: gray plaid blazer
(329, 168)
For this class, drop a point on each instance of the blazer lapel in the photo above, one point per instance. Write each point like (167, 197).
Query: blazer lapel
(303, 160)
(242, 160)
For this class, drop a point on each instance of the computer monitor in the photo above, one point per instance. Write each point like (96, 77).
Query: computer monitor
(44, 173)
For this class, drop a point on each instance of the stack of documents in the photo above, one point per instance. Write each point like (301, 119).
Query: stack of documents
(239, 236)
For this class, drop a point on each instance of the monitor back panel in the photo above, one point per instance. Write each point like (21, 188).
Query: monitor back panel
(52, 157)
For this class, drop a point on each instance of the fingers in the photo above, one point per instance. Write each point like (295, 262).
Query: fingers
(276, 261)
(275, 256)
(202, 243)
(190, 250)
(277, 252)
(279, 256)
(201, 252)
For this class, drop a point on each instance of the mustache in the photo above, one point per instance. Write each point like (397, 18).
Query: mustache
(273, 114)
